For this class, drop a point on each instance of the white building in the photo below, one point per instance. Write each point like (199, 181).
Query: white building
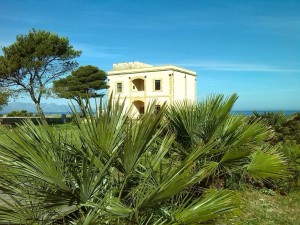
(141, 83)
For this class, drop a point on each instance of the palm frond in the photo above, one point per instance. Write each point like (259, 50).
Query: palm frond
(37, 158)
(193, 123)
(24, 212)
(118, 209)
(267, 165)
(178, 179)
(208, 208)
(140, 135)
(105, 131)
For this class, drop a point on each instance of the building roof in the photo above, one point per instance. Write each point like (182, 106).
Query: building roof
(138, 67)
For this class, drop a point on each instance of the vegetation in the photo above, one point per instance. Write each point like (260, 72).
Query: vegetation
(3, 98)
(81, 85)
(285, 128)
(168, 167)
(268, 209)
(233, 136)
(35, 60)
(22, 113)
(286, 139)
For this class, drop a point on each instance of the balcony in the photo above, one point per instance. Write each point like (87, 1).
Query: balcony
(138, 87)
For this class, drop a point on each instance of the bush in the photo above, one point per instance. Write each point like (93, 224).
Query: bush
(285, 128)
(291, 151)
(22, 113)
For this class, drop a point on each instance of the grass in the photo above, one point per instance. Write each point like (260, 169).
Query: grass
(265, 209)
(4, 132)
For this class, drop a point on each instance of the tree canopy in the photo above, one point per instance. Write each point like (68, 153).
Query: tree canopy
(81, 85)
(35, 60)
(3, 98)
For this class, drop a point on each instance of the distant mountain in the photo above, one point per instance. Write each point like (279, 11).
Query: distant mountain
(30, 107)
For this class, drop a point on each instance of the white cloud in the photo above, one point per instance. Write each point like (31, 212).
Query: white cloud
(29, 19)
(94, 51)
(282, 22)
(236, 66)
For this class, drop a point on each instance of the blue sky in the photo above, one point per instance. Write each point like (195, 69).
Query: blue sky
(251, 48)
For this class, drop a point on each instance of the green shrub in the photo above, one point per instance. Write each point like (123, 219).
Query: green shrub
(22, 113)
(285, 128)
(291, 151)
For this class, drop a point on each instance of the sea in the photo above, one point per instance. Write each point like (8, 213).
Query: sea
(239, 112)
(248, 113)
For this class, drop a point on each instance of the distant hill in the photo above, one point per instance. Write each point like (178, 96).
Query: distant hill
(30, 107)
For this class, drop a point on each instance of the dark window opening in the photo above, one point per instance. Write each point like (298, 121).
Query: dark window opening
(157, 85)
(119, 87)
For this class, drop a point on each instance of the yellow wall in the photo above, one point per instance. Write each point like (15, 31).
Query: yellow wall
(175, 84)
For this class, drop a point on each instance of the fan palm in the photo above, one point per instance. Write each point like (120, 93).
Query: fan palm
(238, 142)
(292, 152)
(111, 169)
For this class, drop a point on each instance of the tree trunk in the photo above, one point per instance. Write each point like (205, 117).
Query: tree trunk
(83, 110)
(40, 112)
(38, 106)
(82, 107)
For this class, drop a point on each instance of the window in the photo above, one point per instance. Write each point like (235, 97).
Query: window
(157, 86)
(119, 87)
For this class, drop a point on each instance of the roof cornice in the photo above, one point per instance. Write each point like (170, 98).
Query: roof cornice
(151, 69)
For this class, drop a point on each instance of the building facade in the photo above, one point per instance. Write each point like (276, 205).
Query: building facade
(140, 84)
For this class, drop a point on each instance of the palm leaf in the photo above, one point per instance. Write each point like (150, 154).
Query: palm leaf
(104, 132)
(178, 179)
(24, 212)
(140, 136)
(210, 207)
(267, 165)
